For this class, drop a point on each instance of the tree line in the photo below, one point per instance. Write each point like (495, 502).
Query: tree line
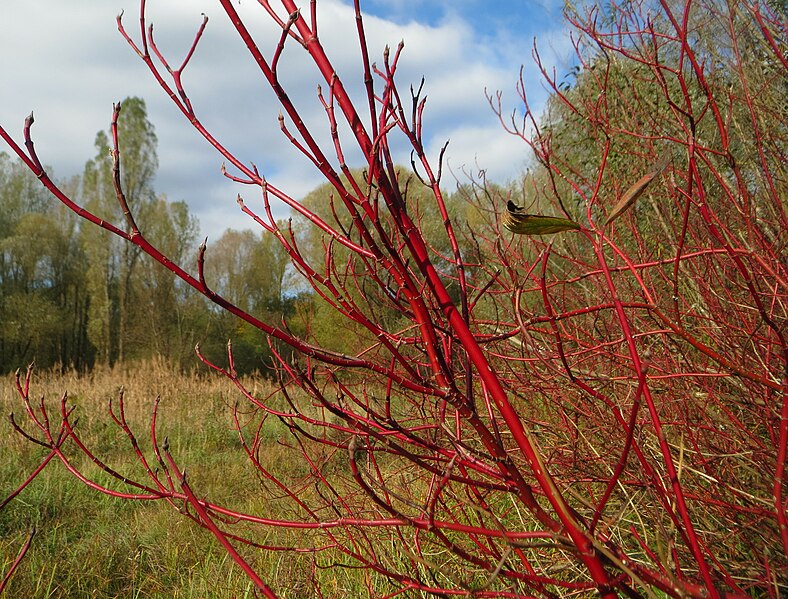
(72, 296)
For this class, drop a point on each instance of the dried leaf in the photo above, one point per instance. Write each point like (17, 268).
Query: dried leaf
(517, 221)
(634, 192)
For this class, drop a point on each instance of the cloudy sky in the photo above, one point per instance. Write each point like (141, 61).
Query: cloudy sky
(66, 61)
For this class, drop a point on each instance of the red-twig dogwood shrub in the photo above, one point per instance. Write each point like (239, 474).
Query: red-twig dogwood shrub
(602, 409)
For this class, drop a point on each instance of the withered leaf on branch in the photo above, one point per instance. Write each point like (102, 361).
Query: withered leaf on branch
(517, 221)
(634, 192)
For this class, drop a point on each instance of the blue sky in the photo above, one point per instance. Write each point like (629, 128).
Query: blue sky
(66, 61)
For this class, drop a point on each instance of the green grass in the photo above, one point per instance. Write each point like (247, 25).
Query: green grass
(89, 544)
(92, 545)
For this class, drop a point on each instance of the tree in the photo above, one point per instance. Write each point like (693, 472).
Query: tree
(249, 270)
(113, 266)
(42, 305)
(568, 414)
(164, 321)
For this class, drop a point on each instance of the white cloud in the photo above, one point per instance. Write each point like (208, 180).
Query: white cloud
(66, 61)
(477, 148)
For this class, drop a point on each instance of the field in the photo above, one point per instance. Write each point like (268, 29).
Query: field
(88, 544)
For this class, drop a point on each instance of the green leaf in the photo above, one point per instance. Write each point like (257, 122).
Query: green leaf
(517, 221)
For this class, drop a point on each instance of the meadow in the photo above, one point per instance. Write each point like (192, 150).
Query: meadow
(88, 544)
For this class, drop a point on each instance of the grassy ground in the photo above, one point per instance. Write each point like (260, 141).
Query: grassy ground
(91, 545)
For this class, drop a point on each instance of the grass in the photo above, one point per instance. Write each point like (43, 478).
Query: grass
(92, 545)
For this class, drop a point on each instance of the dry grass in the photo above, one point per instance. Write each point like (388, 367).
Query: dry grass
(92, 545)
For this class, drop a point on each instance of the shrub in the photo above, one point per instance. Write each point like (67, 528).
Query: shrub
(602, 410)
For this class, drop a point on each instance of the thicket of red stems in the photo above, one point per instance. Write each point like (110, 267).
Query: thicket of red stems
(600, 410)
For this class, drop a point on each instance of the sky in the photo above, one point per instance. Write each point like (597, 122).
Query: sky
(66, 61)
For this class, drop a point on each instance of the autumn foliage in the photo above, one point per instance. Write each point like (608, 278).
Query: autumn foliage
(601, 409)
